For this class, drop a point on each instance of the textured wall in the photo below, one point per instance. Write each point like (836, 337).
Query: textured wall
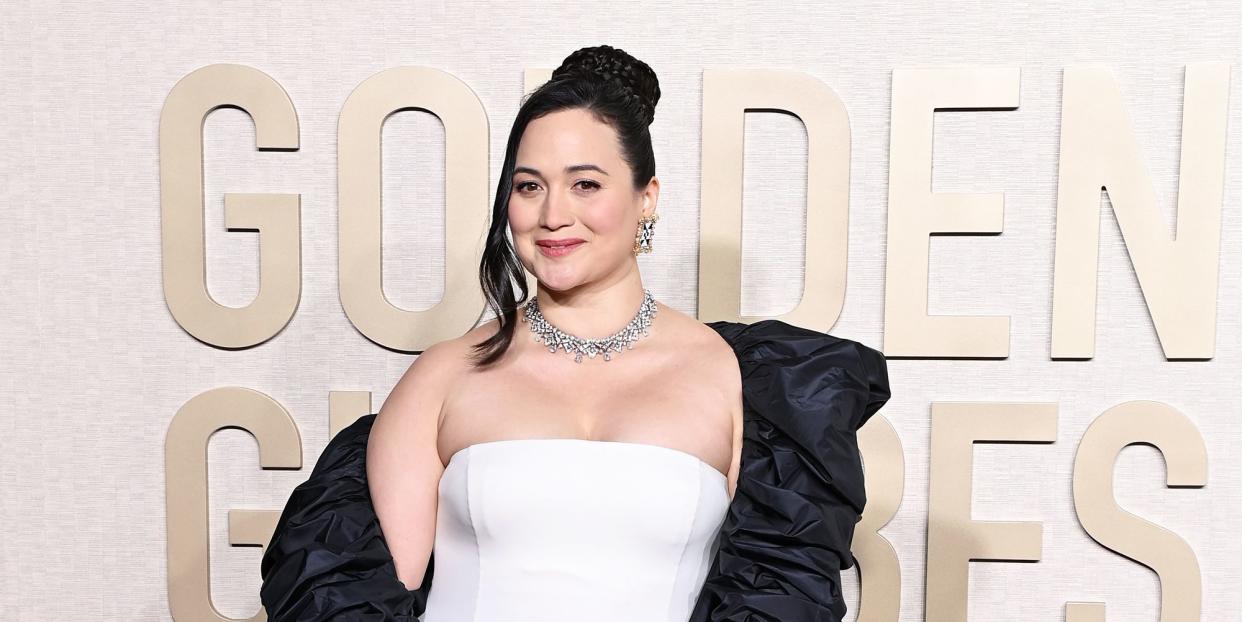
(93, 366)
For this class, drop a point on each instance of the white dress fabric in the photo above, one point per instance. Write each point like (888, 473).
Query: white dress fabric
(561, 529)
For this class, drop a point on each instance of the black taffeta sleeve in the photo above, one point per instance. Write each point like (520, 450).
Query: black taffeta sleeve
(787, 534)
(327, 559)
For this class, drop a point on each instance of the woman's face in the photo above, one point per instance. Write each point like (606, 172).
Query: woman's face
(571, 185)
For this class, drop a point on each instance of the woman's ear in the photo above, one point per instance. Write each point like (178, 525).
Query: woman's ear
(651, 194)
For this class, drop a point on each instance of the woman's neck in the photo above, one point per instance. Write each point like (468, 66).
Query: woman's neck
(592, 313)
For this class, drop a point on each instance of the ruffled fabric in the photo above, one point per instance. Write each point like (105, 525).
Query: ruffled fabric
(784, 541)
(327, 559)
(786, 536)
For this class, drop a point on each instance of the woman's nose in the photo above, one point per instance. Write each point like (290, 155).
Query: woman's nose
(556, 211)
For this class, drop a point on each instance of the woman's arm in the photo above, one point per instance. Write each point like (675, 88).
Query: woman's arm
(403, 463)
(328, 558)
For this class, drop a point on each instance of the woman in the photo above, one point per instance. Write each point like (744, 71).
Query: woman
(627, 463)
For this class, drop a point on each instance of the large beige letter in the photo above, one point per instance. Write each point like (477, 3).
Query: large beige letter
(346, 407)
(727, 95)
(465, 205)
(1178, 440)
(275, 216)
(954, 539)
(915, 212)
(1178, 275)
(878, 564)
(185, 476)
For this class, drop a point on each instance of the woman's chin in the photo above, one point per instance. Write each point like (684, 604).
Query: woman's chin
(558, 279)
(558, 285)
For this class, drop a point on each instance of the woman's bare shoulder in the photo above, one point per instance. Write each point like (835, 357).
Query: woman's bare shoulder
(457, 352)
(433, 373)
(701, 345)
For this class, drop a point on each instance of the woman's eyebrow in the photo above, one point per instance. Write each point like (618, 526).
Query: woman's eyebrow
(568, 169)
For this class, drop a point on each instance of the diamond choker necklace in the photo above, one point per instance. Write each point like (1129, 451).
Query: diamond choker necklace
(622, 339)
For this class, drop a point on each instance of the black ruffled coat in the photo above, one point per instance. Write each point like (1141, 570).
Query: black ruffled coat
(782, 547)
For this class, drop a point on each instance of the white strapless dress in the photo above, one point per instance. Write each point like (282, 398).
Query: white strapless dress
(561, 530)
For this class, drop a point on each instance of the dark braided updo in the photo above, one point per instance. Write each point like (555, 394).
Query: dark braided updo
(634, 79)
(619, 90)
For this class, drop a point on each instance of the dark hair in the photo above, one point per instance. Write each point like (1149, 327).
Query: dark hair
(619, 90)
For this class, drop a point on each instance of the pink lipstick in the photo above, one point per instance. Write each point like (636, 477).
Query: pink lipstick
(559, 248)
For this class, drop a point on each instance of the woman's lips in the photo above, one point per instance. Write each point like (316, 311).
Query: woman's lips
(558, 250)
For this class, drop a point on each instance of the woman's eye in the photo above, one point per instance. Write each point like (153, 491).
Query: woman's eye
(523, 186)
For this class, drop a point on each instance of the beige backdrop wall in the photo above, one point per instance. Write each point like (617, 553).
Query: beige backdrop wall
(94, 367)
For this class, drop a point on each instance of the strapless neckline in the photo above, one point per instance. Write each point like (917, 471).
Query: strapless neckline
(628, 445)
(568, 529)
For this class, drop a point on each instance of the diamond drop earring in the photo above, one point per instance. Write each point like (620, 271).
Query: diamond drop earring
(646, 230)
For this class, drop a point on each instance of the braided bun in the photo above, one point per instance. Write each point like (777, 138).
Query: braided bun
(634, 79)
